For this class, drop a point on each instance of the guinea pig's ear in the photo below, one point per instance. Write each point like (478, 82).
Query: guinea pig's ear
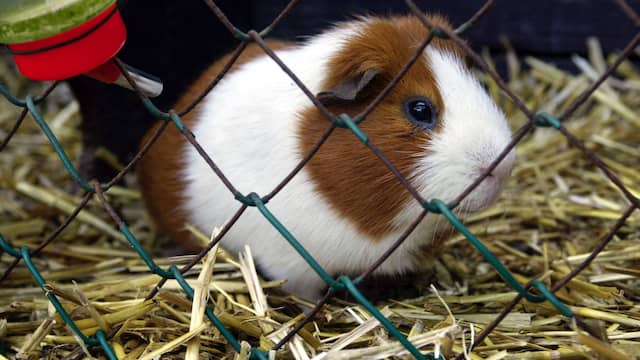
(349, 89)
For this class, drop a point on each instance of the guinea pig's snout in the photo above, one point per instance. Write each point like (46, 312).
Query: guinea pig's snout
(489, 189)
(502, 171)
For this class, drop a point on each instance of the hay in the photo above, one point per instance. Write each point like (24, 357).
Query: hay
(553, 212)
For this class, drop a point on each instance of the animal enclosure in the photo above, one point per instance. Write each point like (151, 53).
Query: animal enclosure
(577, 174)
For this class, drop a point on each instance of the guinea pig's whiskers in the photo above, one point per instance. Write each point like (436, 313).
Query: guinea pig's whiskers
(462, 209)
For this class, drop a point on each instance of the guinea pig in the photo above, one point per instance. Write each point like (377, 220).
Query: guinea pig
(438, 126)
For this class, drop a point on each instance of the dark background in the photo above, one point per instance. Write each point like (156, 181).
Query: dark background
(175, 40)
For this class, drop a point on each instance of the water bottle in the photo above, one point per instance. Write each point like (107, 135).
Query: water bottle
(59, 39)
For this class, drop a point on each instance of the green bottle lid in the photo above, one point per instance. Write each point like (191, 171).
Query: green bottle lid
(28, 20)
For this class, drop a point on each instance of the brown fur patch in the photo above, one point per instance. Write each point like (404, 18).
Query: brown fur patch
(346, 172)
(159, 169)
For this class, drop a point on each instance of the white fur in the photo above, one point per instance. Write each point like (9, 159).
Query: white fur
(248, 125)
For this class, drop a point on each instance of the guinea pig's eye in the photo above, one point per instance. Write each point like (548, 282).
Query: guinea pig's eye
(421, 112)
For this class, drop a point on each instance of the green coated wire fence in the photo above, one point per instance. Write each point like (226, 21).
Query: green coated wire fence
(534, 291)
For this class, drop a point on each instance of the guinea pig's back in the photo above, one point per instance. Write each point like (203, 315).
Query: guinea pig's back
(161, 172)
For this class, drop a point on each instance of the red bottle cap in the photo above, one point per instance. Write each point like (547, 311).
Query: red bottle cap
(72, 52)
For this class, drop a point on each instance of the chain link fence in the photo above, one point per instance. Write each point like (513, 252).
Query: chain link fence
(535, 291)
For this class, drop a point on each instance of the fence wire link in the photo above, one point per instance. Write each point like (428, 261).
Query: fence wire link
(534, 291)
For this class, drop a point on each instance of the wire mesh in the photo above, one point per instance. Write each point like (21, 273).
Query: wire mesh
(534, 291)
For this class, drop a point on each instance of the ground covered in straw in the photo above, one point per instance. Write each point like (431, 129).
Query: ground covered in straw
(555, 209)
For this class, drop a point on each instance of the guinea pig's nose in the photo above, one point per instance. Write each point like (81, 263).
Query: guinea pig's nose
(502, 171)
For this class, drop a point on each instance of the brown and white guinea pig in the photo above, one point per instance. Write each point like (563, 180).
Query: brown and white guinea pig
(438, 127)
